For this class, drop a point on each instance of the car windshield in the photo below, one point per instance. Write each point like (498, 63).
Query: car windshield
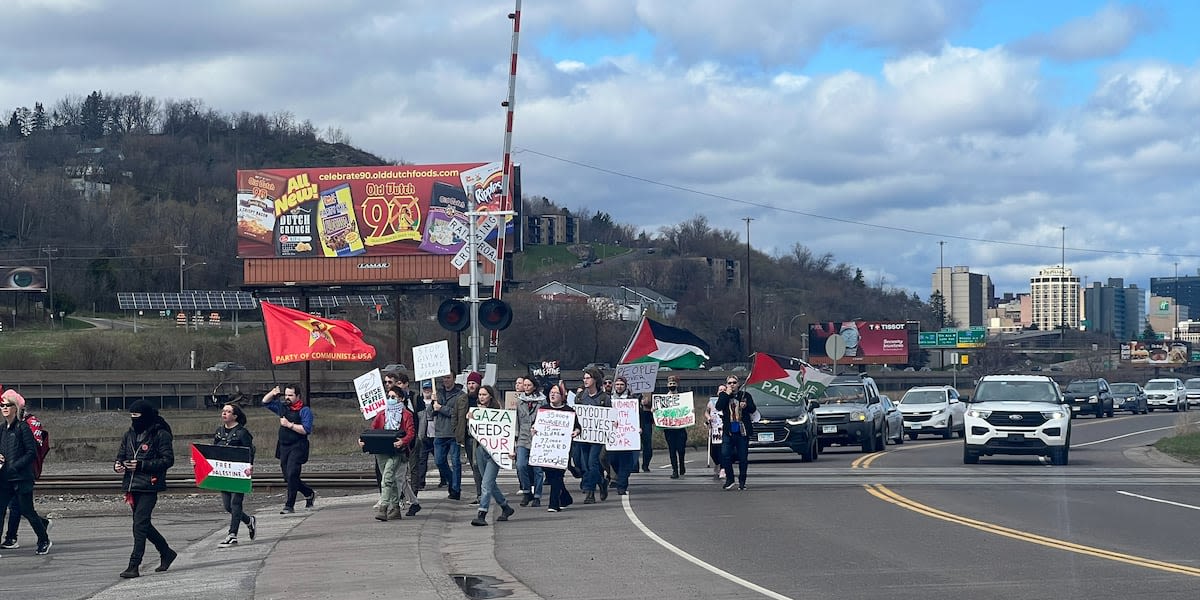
(1124, 388)
(1082, 386)
(843, 394)
(1160, 385)
(1024, 391)
(1192, 384)
(924, 397)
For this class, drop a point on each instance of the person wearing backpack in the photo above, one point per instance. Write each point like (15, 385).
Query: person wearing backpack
(42, 438)
(18, 452)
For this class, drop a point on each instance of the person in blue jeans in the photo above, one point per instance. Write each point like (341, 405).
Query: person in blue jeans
(531, 478)
(587, 454)
(489, 468)
(735, 406)
(623, 462)
(447, 452)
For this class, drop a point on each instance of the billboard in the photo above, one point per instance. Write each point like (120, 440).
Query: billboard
(1157, 353)
(867, 342)
(22, 279)
(345, 212)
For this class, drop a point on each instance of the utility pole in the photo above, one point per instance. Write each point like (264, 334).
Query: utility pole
(50, 252)
(749, 325)
(942, 295)
(180, 249)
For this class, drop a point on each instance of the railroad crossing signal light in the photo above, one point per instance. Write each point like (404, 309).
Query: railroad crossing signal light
(495, 315)
(454, 315)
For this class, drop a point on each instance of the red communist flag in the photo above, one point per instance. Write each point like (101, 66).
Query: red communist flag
(296, 336)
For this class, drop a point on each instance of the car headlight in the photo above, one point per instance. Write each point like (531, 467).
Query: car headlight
(798, 420)
(979, 413)
(1053, 414)
(1092, 399)
(858, 415)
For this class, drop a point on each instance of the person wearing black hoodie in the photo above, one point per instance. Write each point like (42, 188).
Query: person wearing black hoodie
(17, 453)
(143, 458)
(737, 428)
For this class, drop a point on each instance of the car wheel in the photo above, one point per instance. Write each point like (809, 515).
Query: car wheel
(900, 437)
(1060, 456)
(969, 458)
(1176, 407)
(868, 443)
(912, 436)
(881, 440)
(949, 430)
(1111, 411)
(811, 453)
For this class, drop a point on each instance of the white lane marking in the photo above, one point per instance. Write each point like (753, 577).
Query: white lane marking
(1160, 500)
(692, 559)
(1123, 436)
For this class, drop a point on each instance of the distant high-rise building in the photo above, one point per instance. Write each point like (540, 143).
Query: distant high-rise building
(1185, 289)
(967, 295)
(1114, 309)
(1055, 295)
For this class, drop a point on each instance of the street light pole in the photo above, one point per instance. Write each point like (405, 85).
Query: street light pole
(749, 326)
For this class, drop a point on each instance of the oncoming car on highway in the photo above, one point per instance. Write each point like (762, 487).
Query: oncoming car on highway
(933, 409)
(1017, 414)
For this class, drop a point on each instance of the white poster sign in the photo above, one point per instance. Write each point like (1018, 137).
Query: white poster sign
(371, 395)
(496, 431)
(596, 423)
(431, 360)
(551, 443)
(627, 431)
(674, 411)
(639, 376)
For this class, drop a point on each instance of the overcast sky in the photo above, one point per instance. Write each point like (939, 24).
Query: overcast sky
(870, 130)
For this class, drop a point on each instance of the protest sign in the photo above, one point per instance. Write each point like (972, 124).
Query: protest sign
(674, 411)
(551, 443)
(371, 395)
(431, 360)
(627, 432)
(222, 468)
(545, 373)
(640, 377)
(496, 431)
(596, 423)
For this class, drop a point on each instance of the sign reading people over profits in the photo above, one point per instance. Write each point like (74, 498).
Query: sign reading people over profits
(639, 377)
(496, 431)
(674, 411)
(551, 443)
(627, 429)
(596, 422)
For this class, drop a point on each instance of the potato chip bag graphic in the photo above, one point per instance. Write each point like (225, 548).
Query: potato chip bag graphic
(336, 226)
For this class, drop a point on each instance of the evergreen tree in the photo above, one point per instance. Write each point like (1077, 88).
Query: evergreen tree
(94, 115)
(40, 122)
(1148, 333)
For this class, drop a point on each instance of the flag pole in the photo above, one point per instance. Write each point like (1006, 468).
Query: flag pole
(636, 331)
(267, 339)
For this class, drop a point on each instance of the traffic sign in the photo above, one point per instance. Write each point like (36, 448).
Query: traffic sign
(835, 347)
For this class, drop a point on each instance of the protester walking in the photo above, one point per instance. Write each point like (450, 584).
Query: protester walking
(676, 438)
(42, 439)
(646, 420)
(474, 380)
(423, 451)
(712, 418)
(587, 454)
(447, 446)
(143, 459)
(232, 432)
(623, 462)
(531, 478)
(560, 498)
(394, 465)
(736, 407)
(18, 452)
(292, 447)
(489, 468)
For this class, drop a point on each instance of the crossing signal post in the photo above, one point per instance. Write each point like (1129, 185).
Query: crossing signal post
(454, 315)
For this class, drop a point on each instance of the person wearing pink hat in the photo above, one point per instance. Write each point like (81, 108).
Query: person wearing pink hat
(18, 451)
(41, 438)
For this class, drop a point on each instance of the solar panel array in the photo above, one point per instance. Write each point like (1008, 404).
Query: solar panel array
(234, 300)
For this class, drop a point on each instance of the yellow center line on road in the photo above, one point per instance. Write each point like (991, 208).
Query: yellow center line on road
(883, 493)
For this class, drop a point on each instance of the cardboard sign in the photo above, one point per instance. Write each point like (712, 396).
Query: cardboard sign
(627, 430)
(639, 376)
(371, 395)
(674, 411)
(496, 431)
(545, 373)
(431, 360)
(596, 423)
(551, 443)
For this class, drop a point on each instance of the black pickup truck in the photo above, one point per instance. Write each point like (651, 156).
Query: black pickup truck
(1092, 396)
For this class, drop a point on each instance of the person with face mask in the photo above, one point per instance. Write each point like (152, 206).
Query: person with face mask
(531, 478)
(676, 438)
(394, 465)
(18, 449)
(291, 448)
(143, 459)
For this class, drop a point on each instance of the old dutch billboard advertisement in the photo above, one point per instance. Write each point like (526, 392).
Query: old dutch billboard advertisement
(337, 212)
(867, 342)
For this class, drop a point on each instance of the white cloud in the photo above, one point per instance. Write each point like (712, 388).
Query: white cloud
(1103, 34)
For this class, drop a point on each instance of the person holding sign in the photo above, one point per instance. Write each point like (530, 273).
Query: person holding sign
(587, 454)
(712, 417)
(291, 448)
(676, 438)
(232, 432)
(735, 406)
(560, 498)
(646, 420)
(394, 465)
(531, 478)
(490, 469)
(624, 462)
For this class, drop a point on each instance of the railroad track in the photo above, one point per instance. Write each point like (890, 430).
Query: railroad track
(181, 483)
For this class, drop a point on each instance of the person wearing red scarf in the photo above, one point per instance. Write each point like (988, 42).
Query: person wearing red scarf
(295, 425)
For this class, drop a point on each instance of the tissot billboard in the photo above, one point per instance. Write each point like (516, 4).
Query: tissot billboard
(867, 342)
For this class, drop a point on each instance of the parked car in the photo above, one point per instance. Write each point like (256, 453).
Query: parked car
(850, 412)
(1129, 396)
(1192, 390)
(1017, 414)
(1166, 392)
(1090, 396)
(893, 421)
(226, 365)
(785, 425)
(933, 409)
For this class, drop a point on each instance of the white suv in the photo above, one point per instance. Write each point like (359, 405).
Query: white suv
(934, 409)
(1166, 392)
(1017, 414)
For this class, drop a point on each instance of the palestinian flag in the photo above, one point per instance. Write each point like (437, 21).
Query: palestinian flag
(788, 378)
(222, 468)
(668, 346)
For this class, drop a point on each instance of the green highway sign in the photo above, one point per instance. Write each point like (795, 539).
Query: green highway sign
(975, 337)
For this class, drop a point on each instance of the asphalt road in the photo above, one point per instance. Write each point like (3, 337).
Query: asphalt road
(911, 522)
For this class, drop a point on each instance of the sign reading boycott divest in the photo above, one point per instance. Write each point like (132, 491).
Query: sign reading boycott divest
(496, 431)
(674, 411)
(596, 422)
(371, 396)
(551, 444)
(627, 431)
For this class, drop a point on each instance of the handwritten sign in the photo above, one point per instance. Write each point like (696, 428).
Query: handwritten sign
(545, 373)
(639, 376)
(496, 431)
(551, 443)
(371, 396)
(674, 411)
(596, 423)
(627, 431)
(431, 360)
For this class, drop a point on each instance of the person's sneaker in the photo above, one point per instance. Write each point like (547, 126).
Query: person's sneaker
(10, 544)
(674, 474)
(442, 484)
(526, 498)
(454, 495)
(44, 547)
(252, 527)
(287, 510)
(590, 499)
(742, 488)
(645, 469)
(506, 512)
(604, 489)
(130, 572)
(475, 502)
(537, 502)
(381, 514)
(480, 519)
(552, 509)
(395, 513)
(622, 492)
(229, 541)
(413, 510)
(310, 500)
(730, 485)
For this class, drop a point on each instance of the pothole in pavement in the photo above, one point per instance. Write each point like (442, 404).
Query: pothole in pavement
(480, 587)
